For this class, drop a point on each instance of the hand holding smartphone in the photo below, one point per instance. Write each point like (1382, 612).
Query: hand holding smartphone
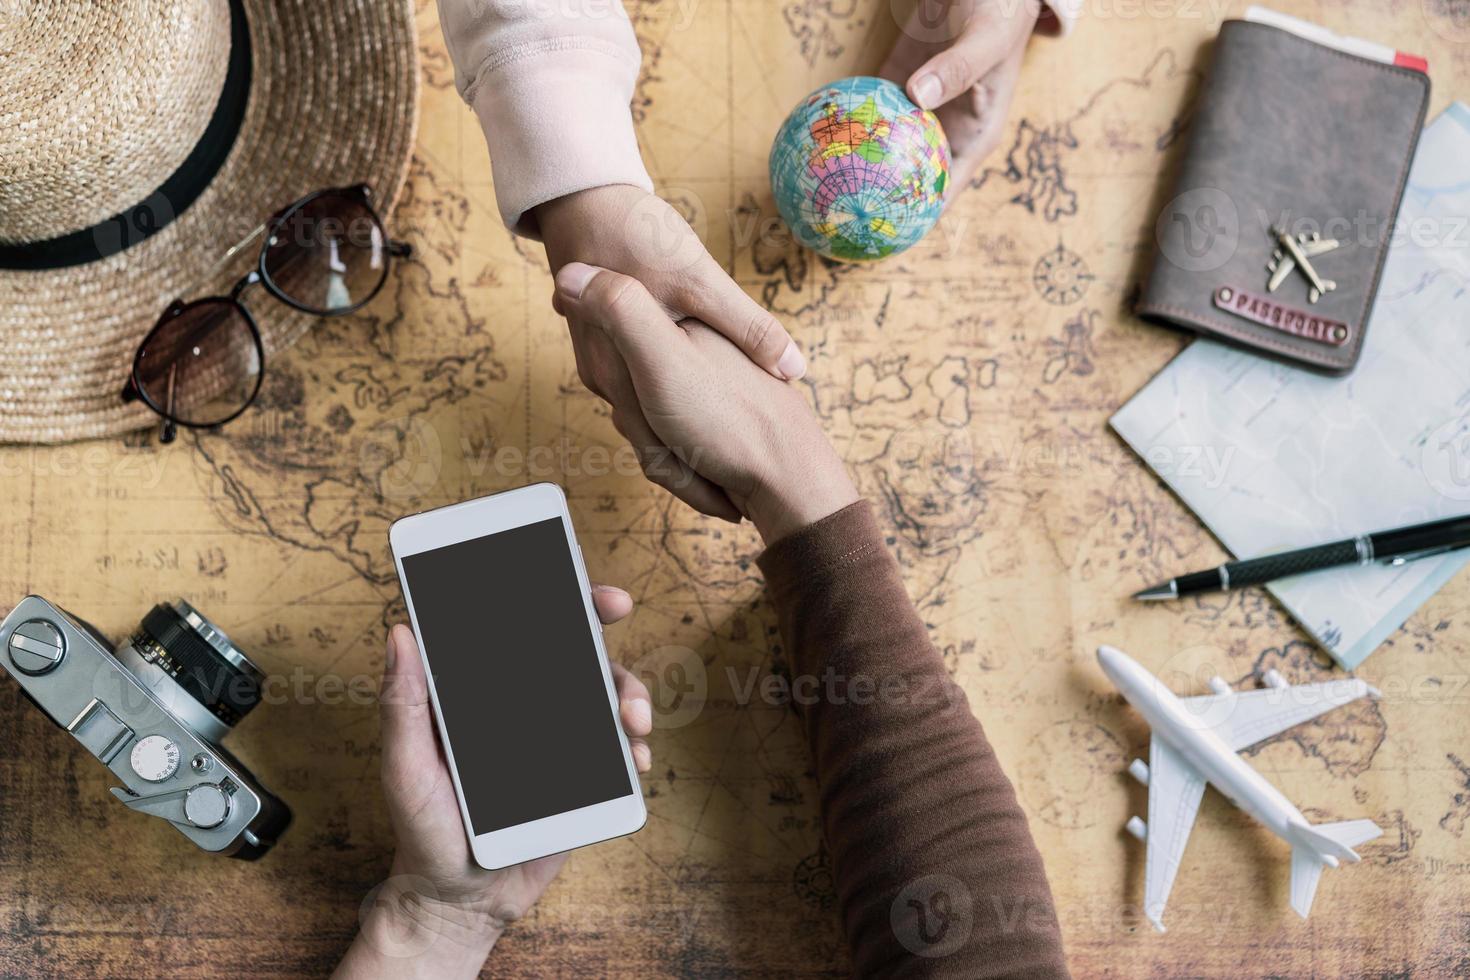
(501, 605)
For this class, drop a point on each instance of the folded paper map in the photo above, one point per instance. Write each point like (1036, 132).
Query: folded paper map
(1303, 459)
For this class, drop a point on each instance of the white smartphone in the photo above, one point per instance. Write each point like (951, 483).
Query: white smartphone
(523, 695)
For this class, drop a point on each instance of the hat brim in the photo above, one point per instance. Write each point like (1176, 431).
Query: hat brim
(333, 102)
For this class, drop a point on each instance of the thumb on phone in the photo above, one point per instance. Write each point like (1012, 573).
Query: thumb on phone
(411, 757)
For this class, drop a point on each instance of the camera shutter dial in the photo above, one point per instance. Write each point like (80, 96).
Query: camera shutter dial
(206, 806)
(36, 647)
(155, 758)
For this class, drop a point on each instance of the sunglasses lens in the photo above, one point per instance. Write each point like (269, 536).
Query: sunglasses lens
(328, 255)
(202, 366)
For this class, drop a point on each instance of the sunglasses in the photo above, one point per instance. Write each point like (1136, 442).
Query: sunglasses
(201, 365)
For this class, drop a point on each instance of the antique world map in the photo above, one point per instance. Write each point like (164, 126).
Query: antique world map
(967, 382)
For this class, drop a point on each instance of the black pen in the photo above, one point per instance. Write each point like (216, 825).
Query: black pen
(1394, 547)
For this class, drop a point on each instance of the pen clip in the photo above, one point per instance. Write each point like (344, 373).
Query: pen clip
(1407, 557)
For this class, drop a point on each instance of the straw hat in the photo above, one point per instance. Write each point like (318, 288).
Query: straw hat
(141, 140)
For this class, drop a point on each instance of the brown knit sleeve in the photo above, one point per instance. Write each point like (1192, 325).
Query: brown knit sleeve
(937, 874)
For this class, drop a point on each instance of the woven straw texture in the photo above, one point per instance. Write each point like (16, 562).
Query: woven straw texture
(333, 101)
(82, 145)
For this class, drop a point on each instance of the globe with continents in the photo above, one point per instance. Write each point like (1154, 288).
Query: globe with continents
(859, 171)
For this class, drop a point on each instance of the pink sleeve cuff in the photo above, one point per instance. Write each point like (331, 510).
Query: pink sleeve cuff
(556, 116)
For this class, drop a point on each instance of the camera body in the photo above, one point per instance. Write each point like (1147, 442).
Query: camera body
(154, 710)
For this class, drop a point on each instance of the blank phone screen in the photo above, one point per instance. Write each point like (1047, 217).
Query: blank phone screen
(518, 678)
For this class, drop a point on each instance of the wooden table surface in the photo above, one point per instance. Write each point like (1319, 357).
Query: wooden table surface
(970, 396)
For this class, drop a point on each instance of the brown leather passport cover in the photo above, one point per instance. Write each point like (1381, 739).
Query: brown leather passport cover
(1294, 134)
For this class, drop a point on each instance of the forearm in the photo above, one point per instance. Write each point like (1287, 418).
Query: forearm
(405, 934)
(914, 802)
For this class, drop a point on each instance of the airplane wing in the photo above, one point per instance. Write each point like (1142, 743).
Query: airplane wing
(1248, 717)
(1284, 267)
(1174, 791)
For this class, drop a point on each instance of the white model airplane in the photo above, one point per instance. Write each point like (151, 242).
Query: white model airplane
(1196, 740)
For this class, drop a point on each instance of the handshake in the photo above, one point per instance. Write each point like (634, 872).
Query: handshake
(698, 374)
(714, 418)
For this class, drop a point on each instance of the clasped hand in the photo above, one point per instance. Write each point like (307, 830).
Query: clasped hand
(639, 235)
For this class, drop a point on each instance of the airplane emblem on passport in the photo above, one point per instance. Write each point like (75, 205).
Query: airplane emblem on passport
(1296, 252)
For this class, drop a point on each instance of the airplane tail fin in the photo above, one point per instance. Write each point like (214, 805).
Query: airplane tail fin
(1324, 844)
(1306, 871)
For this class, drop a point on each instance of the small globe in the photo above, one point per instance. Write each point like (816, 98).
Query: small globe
(859, 171)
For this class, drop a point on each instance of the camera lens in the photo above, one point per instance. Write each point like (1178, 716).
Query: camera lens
(200, 659)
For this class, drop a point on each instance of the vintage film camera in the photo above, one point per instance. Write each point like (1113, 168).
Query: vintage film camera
(154, 711)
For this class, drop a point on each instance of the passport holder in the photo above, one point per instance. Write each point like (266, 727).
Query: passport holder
(1292, 178)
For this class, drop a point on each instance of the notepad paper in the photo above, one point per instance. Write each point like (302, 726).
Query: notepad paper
(1298, 459)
